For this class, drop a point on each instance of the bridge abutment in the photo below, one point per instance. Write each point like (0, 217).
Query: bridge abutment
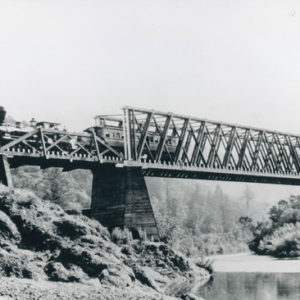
(120, 199)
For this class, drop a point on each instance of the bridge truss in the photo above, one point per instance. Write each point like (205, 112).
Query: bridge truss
(59, 149)
(166, 145)
(197, 146)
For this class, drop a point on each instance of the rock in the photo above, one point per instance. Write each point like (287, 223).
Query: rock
(57, 272)
(71, 228)
(13, 265)
(117, 275)
(190, 297)
(127, 250)
(8, 230)
(144, 277)
(104, 274)
(88, 260)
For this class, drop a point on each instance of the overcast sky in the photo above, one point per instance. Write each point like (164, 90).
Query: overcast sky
(234, 60)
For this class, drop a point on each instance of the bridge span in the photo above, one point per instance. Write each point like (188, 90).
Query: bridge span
(121, 150)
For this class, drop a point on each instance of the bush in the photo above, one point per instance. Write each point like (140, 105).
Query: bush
(280, 236)
(205, 263)
(283, 242)
(25, 198)
(121, 237)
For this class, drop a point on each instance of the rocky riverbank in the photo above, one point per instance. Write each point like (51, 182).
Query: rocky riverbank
(46, 253)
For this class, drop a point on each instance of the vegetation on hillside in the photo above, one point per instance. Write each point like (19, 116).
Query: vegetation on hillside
(199, 220)
(192, 217)
(280, 234)
(71, 190)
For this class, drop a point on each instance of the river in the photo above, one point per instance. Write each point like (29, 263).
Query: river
(250, 277)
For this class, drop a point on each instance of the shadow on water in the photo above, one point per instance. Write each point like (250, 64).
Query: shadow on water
(252, 286)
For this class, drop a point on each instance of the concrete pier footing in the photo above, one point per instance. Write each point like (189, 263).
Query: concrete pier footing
(120, 199)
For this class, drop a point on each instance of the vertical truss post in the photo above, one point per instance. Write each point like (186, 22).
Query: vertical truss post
(127, 134)
(269, 163)
(200, 156)
(214, 143)
(187, 146)
(293, 153)
(163, 138)
(229, 147)
(199, 140)
(43, 143)
(132, 134)
(257, 149)
(283, 153)
(178, 151)
(275, 157)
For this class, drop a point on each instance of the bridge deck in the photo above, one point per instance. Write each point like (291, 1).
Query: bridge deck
(199, 172)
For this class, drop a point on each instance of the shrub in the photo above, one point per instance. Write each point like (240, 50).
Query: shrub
(25, 197)
(283, 242)
(120, 236)
(205, 263)
(280, 236)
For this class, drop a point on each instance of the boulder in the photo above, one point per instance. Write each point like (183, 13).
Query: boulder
(8, 230)
(57, 272)
(14, 265)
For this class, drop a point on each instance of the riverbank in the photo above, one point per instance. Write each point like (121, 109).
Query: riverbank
(250, 262)
(247, 276)
(26, 289)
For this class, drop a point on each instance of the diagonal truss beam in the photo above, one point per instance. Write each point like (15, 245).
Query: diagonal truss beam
(229, 147)
(18, 140)
(181, 138)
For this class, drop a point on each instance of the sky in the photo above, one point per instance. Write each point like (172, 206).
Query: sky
(236, 60)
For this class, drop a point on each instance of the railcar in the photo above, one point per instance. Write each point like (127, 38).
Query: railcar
(110, 129)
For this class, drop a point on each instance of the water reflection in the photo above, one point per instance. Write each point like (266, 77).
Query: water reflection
(252, 286)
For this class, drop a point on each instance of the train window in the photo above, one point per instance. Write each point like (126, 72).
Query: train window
(122, 136)
(107, 135)
(117, 135)
(156, 140)
(169, 142)
(151, 139)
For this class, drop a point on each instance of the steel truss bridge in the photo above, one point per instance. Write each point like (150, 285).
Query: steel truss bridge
(182, 147)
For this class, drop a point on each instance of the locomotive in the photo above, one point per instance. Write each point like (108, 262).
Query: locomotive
(2, 114)
(10, 129)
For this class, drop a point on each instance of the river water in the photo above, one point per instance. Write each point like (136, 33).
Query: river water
(251, 277)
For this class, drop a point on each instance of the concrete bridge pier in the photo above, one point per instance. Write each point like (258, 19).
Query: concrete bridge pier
(5, 174)
(120, 199)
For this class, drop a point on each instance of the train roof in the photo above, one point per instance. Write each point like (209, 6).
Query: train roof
(116, 118)
(46, 122)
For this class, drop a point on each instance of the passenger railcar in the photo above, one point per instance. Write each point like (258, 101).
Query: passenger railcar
(111, 131)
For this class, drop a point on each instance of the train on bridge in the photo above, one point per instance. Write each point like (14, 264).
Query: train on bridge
(108, 128)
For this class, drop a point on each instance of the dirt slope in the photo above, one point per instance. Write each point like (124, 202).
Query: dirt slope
(63, 256)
